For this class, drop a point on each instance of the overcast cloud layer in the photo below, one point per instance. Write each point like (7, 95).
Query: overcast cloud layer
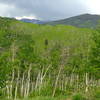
(43, 9)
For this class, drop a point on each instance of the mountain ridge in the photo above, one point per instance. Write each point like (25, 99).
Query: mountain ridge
(84, 20)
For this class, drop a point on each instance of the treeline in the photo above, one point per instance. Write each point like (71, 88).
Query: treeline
(61, 66)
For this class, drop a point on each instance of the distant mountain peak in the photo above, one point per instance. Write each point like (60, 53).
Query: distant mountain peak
(34, 21)
(84, 20)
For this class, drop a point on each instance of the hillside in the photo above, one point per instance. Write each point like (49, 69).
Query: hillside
(48, 61)
(85, 20)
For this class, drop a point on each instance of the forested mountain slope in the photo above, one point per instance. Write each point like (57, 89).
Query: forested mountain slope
(85, 20)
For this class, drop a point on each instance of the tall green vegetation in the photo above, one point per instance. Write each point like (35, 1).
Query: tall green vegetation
(95, 57)
(38, 60)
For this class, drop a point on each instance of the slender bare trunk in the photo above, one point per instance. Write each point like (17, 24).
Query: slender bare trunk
(22, 85)
(56, 82)
(86, 80)
(16, 88)
(28, 81)
(11, 85)
(8, 92)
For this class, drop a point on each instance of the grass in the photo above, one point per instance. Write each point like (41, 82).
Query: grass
(42, 98)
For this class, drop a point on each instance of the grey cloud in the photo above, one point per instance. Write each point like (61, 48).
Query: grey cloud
(46, 9)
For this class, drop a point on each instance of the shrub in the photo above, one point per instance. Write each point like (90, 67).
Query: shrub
(97, 95)
(78, 97)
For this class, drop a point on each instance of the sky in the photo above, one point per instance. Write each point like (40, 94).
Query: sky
(48, 9)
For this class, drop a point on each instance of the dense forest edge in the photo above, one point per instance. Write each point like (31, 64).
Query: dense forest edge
(48, 61)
